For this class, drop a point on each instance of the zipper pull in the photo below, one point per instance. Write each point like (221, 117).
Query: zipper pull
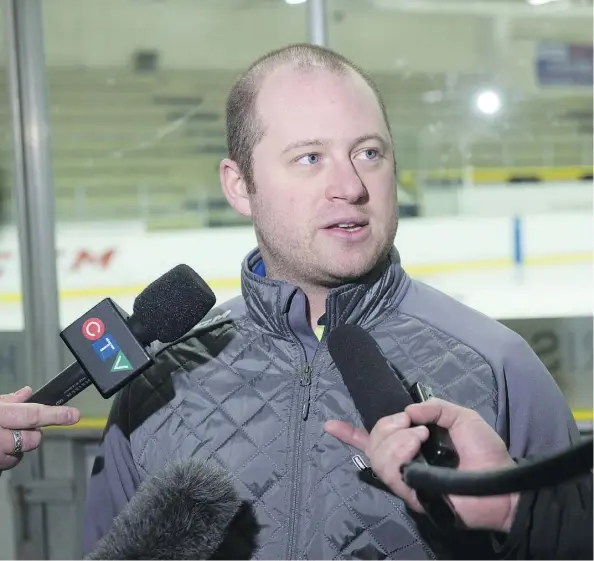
(306, 382)
(306, 375)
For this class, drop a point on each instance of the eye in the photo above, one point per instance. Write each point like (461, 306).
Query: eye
(309, 159)
(370, 154)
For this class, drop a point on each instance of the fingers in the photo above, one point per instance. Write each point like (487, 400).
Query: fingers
(8, 462)
(439, 412)
(386, 427)
(28, 418)
(17, 397)
(402, 446)
(358, 438)
(392, 442)
(31, 441)
(34, 415)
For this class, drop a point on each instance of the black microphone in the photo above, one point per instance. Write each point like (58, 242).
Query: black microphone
(182, 512)
(109, 345)
(551, 471)
(377, 390)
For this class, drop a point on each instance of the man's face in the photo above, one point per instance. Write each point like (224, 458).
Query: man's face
(324, 207)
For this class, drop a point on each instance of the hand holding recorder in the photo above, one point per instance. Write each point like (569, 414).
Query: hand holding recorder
(396, 440)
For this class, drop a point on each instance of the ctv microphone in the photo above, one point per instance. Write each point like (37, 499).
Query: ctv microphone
(109, 345)
(182, 512)
(378, 391)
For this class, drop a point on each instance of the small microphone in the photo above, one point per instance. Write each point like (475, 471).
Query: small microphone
(181, 512)
(378, 391)
(109, 345)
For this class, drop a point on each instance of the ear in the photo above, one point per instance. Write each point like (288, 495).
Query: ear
(234, 187)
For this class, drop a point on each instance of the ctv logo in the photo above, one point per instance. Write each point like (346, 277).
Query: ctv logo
(105, 345)
(92, 329)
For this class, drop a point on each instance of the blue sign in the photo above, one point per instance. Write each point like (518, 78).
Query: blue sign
(106, 347)
(564, 64)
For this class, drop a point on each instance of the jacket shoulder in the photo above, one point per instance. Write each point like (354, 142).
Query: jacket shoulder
(469, 326)
(154, 388)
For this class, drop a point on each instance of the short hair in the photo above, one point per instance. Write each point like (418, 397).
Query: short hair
(244, 128)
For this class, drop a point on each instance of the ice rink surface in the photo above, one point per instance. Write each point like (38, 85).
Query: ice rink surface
(526, 292)
(533, 291)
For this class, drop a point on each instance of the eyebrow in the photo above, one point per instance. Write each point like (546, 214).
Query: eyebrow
(374, 136)
(302, 143)
(318, 142)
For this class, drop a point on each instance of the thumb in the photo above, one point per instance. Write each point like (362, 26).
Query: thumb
(435, 411)
(17, 397)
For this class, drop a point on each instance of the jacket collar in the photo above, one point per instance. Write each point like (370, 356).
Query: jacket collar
(364, 302)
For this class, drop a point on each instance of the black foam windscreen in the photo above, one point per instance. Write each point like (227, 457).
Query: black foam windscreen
(375, 387)
(174, 303)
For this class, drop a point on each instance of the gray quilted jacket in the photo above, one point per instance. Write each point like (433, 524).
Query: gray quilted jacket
(253, 386)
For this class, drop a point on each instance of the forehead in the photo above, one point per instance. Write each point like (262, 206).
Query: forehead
(295, 104)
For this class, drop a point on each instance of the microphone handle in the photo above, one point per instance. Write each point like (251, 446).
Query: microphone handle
(437, 450)
(63, 387)
(550, 471)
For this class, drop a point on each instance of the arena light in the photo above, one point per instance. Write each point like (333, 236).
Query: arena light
(540, 2)
(488, 102)
(293, 2)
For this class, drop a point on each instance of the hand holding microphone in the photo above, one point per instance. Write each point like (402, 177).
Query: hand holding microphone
(20, 424)
(458, 465)
(111, 349)
(378, 391)
(396, 440)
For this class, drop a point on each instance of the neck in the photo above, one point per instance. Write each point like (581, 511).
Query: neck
(316, 304)
(315, 295)
(358, 301)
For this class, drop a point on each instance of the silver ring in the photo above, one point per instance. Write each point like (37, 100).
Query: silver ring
(18, 442)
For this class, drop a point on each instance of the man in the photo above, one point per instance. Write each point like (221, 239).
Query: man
(547, 523)
(311, 162)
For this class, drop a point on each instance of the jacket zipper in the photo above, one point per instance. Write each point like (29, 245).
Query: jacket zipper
(294, 516)
(305, 372)
(306, 382)
(305, 376)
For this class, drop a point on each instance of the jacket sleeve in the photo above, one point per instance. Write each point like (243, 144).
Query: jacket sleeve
(539, 420)
(114, 477)
(553, 523)
(538, 423)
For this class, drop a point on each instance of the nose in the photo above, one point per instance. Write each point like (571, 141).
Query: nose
(344, 183)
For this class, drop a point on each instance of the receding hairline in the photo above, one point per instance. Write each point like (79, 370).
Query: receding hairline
(245, 126)
(301, 56)
(268, 71)
(272, 66)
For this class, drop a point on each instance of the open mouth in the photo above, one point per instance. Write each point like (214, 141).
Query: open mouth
(348, 226)
(351, 231)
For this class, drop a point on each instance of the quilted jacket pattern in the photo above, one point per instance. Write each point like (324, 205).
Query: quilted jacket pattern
(247, 398)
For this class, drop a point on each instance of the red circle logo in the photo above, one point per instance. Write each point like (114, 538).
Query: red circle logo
(93, 329)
